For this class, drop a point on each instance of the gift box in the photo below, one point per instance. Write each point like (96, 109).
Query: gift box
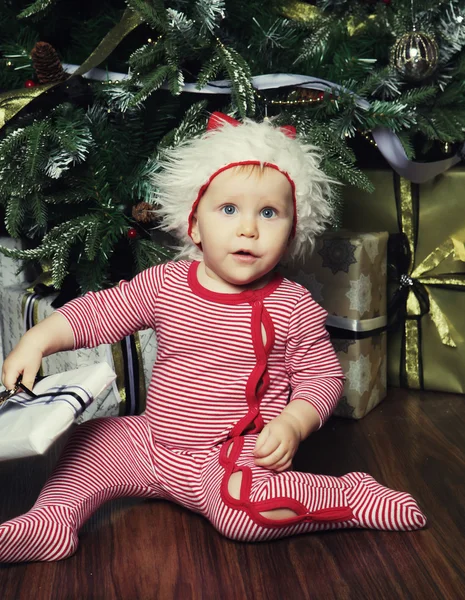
(8, 266)
(346, 274)
(9, 275)
(426, 345)
(30, 423)
(132, 359)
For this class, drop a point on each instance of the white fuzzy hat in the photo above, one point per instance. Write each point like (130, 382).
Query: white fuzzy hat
(188, 169)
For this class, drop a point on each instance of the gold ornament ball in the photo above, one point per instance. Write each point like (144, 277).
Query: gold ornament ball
(415, 55)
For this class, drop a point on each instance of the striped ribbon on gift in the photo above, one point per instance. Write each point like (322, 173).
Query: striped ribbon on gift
(127, 360)
(77, 397)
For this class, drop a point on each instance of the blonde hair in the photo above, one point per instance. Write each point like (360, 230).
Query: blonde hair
(185, 169)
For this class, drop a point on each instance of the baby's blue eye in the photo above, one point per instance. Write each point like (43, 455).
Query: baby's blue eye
(229, 209)
(268, 213)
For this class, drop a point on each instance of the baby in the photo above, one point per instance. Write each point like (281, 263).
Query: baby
(245, 369)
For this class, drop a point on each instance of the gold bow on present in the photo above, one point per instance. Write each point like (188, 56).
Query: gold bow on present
(418, 298)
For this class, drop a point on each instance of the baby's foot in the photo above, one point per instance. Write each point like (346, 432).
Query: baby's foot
(377, 507)
(43, 534)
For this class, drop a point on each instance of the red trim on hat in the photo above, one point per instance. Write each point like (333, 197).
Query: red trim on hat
(204, 187)
(218, 119)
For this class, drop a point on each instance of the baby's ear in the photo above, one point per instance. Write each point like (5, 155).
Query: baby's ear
(195, 234)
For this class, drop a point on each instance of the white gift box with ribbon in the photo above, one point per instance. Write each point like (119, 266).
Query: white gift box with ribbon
(29, 426)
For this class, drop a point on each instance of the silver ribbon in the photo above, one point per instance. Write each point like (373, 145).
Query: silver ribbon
(387, 141)
(357, 325)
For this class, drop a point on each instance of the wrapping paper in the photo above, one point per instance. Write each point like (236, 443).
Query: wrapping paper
(346, 274)
(427, 350)
(8, 266)
(29, 426)
(9, 275)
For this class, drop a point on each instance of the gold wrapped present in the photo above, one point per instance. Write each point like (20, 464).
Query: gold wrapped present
(346, 274)
(427, 273)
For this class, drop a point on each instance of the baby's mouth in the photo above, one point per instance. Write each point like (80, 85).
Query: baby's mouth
(244, 256)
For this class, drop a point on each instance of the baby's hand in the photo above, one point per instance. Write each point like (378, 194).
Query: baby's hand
(277, 444)
(24, 360)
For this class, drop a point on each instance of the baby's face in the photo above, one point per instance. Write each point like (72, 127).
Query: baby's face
(243, 222)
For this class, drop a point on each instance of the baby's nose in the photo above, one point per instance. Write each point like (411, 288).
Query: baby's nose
(248, 227)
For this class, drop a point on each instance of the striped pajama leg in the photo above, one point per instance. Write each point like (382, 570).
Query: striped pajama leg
(319, 502)
(104, 459)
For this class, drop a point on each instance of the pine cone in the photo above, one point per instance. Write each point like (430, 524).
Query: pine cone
(47, 64)
(143, 212)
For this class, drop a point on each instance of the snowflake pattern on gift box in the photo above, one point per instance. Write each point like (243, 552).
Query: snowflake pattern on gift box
(371, 245)
(359, 374)
(383, 266)
(342, 345)
(312, 284)
(338, 255)
(360, 294)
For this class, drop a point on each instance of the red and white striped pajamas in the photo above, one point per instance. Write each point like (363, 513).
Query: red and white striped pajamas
(225, 366)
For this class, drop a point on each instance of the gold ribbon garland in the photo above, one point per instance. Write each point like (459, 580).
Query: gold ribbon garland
(15, 100)
(12, 102)
(453, 246)
(129, 21)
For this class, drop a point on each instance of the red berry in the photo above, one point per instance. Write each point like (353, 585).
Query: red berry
(29, 83)
(132, 233)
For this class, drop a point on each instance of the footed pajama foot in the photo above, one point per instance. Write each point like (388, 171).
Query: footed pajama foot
(377, 507)
(43, 534)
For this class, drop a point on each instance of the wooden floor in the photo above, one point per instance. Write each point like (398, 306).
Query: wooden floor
(135, 550)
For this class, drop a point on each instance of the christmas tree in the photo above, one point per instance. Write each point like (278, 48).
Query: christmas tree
(77, 154)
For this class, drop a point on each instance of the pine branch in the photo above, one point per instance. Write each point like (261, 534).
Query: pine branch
(92, 275)
(14, 216)
(146, 57)
(193, 123)
(407, 144)
(39, 211)
(151, 83)
(36, 7)
(92, 241)
(152, 11)
(148, 253)
(36, 148)
(416, 96)
(347, 173)
(453, 94)
(383, 84)
(70, 195)
(181, 28)
(118, 98)
(209, 13)
(175, 80)
(209, 71)
(239, 74)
